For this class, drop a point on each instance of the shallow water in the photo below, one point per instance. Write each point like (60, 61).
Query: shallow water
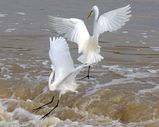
(123, 90)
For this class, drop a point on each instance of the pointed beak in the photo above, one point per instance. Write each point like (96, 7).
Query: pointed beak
(90, 14)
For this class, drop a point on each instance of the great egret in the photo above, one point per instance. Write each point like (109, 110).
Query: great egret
(75, 30)
(63, 70)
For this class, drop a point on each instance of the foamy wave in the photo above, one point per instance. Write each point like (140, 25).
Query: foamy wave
(10, 30)
(5, 73)
(155, 48)
(20, 117)
(124, 32)
(20, 13)
(142, 72)
(26, 70)
(127, 76)
(145, 36)
(9, 124)
(3, 15)
(140, 75)
(150, 90)
(24, 66)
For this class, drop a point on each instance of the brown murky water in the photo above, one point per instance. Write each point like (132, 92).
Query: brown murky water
(124, 89)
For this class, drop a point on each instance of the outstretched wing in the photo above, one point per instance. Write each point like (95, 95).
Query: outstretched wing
(70, 80)
(60, 58)
(112, 20)
(72, 76)
(73, 29)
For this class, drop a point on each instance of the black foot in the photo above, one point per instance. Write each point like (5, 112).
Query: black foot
(37, 109)
(47, 114)
(85, 77)
(88, 74)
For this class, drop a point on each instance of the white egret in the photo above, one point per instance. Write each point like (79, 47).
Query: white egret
(63, 67)
(75, 30)
(63, 70)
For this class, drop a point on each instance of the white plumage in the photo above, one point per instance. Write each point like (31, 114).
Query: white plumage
(111, 21)
(75, 30)
(63, 71)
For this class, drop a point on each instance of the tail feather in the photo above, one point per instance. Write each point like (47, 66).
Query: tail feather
(91, 58)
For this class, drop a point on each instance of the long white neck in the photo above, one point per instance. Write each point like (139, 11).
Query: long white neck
(96, 14)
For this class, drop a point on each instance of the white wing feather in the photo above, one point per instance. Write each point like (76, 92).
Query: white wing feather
(73, 29)
(60, 58)
(112, 20)
(69, 83)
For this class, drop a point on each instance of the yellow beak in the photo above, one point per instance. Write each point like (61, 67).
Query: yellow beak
(90, 14)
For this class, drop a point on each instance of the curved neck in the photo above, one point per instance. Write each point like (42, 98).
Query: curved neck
(96, 14)
(51, 77)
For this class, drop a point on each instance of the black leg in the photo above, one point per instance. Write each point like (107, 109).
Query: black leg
(88, 72)
(47, 114)
(37, 109)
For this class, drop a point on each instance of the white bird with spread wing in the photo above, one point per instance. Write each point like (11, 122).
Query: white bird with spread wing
(63, 66)
(63, 70)
(75, 30)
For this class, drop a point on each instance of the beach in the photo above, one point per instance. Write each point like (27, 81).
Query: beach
(123, 90)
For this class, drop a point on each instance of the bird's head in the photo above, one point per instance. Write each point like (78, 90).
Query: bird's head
(94, 8)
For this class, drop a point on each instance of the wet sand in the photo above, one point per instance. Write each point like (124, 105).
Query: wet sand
(124, 89)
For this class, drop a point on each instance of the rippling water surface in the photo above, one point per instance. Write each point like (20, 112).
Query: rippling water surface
(123, 90)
